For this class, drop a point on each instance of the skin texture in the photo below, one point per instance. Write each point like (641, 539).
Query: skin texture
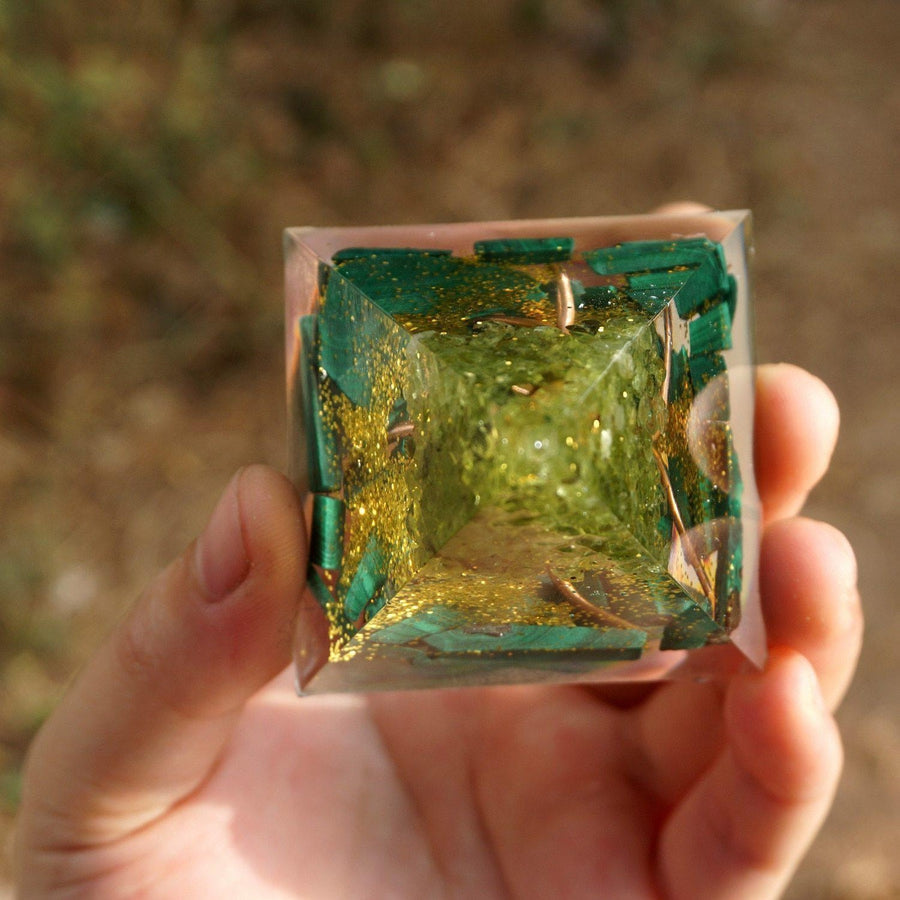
(181, 763)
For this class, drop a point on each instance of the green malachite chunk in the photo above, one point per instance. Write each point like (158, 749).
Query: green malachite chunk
(347, 324)
(708, 282)
(678, 476)
(323, 273)
(601, 296)
(650, 256)
(692, 629)
(679, 380)
(711, 332)
(728, 504)
(704, 367)
(526, 250)
(648, 280)
(631, 256)
(704, 498)
(653, 300)
(358, 252)
(730, 295)
(327, 537)
(730, 572)
(406, 285)
(626, 642)
(319, 588)
(696, 268)
(375, 605)
(369, 579)
(418, 626)
(323, 460)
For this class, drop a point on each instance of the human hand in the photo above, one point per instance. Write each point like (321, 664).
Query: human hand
(181, 764)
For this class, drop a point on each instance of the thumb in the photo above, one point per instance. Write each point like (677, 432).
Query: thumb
(148, 718)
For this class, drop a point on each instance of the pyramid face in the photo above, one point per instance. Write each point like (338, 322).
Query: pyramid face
(529, 451)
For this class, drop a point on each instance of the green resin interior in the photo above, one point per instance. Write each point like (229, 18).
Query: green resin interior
(498, 446)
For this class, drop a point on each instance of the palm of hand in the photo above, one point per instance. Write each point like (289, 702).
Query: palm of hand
(495, 792)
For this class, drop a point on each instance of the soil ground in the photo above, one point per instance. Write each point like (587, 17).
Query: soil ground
(150, 158)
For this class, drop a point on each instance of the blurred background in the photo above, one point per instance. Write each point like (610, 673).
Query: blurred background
(151, 154)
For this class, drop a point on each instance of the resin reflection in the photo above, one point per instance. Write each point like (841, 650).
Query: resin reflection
(522, 452)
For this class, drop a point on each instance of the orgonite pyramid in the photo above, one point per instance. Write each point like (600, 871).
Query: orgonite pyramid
(529, 450)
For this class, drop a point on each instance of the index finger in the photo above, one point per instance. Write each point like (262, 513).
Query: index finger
(796, 425)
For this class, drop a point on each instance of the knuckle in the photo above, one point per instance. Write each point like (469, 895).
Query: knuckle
(135, 648)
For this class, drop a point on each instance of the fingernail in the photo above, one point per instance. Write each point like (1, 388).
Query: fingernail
(220, 555)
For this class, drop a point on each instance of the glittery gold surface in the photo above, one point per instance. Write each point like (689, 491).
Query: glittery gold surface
(494, 572)
(379, 496)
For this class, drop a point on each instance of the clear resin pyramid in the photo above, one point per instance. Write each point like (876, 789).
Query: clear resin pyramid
(528, 451)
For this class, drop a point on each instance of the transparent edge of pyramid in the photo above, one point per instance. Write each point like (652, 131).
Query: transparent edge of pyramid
(417, 356)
